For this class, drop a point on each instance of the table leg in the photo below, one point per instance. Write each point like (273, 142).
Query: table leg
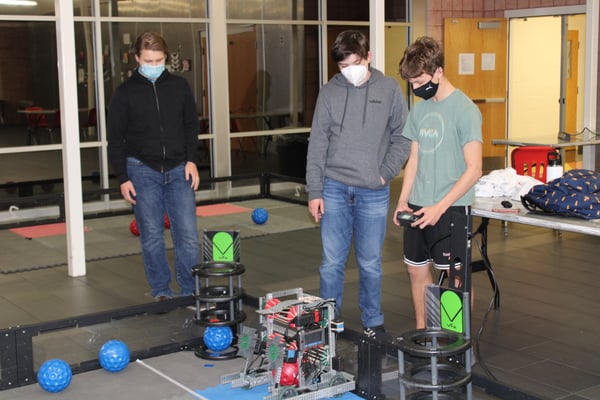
(32, 137)
(482, 230)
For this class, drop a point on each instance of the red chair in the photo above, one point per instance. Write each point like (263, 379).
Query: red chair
(36, 120)
(531, 161)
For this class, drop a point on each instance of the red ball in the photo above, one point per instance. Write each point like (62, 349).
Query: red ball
(133, 228)
(289, 374)
(167, 222)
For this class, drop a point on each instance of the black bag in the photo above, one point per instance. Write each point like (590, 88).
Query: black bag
(575, 194)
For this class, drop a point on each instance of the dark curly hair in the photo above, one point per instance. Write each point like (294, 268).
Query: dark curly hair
(425, 55)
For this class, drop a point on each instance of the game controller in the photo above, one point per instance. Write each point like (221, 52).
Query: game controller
(507, 208)
(406, 218)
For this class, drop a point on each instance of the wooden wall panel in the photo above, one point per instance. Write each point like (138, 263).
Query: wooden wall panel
(494, 126)
(486, 87)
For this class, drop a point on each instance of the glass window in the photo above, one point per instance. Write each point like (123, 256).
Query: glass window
(396, 41)
(396, 11)
(348, 10)
(358, 10)
(28, 7)
(83, 8)
(146, 8)
(273, 84)
(86, 79)
(273, 9)
(91, 172)
(267, 74)
(29, 83)
(29, 175)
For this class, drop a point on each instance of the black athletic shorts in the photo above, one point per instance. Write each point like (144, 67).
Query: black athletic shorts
(432, 244)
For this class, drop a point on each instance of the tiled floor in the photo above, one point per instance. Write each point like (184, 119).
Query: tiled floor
(543, 341)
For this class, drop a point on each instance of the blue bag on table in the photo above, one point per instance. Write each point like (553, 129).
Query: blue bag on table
(575, 194)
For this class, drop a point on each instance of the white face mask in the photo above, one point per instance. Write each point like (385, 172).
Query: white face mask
(355, 74)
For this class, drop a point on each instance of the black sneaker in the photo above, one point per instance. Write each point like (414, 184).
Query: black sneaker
(378, 333)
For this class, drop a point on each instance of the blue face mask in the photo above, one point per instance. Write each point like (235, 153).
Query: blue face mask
(152, 72)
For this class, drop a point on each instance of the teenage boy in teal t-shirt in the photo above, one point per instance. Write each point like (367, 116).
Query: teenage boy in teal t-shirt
(443, 166)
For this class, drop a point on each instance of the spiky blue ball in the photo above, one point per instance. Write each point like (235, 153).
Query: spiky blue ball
(260, 215)
(114, 356)
(54, 375)
(218, 338)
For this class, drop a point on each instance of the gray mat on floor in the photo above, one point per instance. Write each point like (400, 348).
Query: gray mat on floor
(110, 237)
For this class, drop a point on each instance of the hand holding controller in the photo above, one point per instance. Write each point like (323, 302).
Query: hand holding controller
(406, 218)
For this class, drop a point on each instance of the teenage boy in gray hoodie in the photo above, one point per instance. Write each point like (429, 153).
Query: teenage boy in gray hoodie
(356, 148)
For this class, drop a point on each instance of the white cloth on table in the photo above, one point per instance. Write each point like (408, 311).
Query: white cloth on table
(504, 183)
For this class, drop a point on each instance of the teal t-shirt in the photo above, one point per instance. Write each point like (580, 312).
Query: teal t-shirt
(442, 128)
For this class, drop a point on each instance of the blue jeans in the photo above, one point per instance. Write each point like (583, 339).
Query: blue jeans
(159, 193)
(360, 213)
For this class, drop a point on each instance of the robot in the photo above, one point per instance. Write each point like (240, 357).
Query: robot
(294, 349)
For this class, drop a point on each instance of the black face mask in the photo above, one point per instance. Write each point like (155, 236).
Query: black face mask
(427, 90)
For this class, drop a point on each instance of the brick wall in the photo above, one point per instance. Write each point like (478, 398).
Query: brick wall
(440, 9)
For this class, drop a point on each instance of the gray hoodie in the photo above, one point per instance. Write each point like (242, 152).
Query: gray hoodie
(356, 135)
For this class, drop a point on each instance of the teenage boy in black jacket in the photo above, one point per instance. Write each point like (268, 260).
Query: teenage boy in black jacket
(152, 147)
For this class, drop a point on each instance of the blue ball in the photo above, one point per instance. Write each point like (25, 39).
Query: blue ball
(54, 375)
(260, 216)
(114, 356)
(218, 338)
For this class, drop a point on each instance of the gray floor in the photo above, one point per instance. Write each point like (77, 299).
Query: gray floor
(136, 381)
(541, 342)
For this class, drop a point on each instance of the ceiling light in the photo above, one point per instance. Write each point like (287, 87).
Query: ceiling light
(27, 3)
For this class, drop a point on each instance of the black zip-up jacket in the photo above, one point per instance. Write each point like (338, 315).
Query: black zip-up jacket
(157, 123)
